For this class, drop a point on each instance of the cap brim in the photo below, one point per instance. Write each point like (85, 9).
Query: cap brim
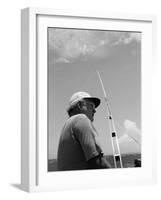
(95, 100)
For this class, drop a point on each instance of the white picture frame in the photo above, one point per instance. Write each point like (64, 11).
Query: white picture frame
(34, 174)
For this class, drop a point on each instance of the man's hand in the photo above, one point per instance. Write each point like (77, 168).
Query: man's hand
(98, 162)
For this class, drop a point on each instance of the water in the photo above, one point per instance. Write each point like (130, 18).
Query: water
(128, 161)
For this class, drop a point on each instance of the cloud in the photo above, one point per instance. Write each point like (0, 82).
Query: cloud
(63, 60)
(127, 38)
(67, 45)
(130, 141)
(127, 145)
(132, 131)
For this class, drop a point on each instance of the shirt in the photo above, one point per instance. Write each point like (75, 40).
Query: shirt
(77, 144)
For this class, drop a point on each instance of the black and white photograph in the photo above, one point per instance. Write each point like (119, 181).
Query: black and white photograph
(94, 99)
(80, 103)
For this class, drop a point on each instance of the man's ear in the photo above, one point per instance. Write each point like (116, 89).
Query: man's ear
(80, 105)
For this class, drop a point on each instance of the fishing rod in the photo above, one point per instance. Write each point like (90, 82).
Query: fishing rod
(114, 139)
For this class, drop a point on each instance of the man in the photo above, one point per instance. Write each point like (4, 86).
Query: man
(79, 146)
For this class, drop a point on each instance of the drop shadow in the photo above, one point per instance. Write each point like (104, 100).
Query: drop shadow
(18, 186)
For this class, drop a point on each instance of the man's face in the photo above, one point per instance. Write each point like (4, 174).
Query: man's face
(88, 108)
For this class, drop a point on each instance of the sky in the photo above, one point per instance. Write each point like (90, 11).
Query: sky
(74, 56)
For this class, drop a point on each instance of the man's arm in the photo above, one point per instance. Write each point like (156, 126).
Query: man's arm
(84, 133)
(98, 162)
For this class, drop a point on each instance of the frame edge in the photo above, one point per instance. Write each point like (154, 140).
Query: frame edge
(25, 99)
(28, 100)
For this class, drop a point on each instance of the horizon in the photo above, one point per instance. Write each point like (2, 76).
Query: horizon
(134, 153)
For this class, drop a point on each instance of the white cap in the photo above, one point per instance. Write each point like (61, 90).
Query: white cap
(78, 96)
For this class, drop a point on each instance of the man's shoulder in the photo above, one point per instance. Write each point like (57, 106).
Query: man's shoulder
(79, 117)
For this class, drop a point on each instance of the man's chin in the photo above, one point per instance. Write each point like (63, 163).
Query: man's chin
(92, 119)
